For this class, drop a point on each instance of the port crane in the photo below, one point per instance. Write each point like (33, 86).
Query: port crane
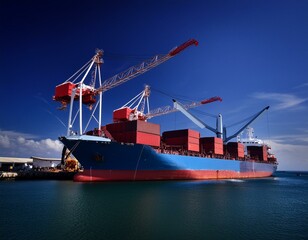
(135, 108)
(74, 88)
(220, 130)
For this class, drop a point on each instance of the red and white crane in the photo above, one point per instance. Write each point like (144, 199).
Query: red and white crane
(74, 89)
(131, 111)
(143, 67)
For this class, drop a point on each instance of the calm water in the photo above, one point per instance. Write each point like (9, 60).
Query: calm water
(272, 208)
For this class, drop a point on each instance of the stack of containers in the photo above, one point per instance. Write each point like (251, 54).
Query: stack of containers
(211, 145)
(135, 132)
(235, 149)
(186, 139)
(257, 152)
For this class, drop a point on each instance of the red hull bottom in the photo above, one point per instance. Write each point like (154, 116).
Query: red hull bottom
(131, 175)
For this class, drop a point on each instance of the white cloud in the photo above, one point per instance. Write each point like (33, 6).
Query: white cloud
(4, 141)
(290, 157)
(21, 140)
(17, 144)
(291, 151)
(14, 134)
(302, 85)
(282, 100)
(293, 139)
(55, 145)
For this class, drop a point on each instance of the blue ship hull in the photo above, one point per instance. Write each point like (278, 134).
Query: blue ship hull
(104, 160)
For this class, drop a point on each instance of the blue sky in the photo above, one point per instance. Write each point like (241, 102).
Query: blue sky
(251, 54)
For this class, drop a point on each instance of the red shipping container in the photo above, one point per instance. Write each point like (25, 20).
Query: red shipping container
(235, 149)
(208, 140)
(188, 147)
(142, 126)
(211, 145)
(215, 149)
(133, 126)
(138, 137)
(194, 140)
(218, 151)
(147, 138)
(258, 151)
(236, 154)
(264, 153)
(116, 127)
(64, 90)
(193, 147)
(95, 132)
(181, 133)
(127, 137)
(181, 140)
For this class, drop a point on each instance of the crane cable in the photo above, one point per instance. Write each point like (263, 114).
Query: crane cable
(179, 97)
(125, 57)
(241, 121)
(82, 69)
(268, 128)
(186, 99)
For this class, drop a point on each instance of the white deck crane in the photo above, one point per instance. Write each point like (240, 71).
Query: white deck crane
(220, 131)
(74, 90)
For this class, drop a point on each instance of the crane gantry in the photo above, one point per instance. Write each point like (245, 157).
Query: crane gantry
(74, 88)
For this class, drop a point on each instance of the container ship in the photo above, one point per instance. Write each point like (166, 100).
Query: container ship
(131, 148)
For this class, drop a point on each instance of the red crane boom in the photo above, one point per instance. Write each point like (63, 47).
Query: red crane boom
(141, 68)
(63, 91)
